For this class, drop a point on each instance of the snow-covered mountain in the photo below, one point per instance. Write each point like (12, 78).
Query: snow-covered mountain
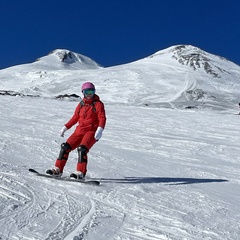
(180, 76)
(59, 59)
(64, 59)
(166, 172)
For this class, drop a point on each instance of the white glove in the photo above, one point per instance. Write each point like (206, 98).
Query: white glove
(98, 133)
(62, 131)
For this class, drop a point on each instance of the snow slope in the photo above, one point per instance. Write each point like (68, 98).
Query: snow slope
(177, 77)
(165, 172)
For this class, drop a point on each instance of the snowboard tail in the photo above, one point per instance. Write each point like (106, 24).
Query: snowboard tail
(68, 179)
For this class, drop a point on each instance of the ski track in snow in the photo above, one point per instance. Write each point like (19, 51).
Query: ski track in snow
(165, 174)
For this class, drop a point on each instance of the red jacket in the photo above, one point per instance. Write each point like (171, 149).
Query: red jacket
(89, 116)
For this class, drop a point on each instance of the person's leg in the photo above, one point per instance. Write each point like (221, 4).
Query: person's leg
(87, 142)
(63, 156)
(72, 143)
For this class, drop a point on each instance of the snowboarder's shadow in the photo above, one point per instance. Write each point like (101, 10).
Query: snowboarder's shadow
(167, 180)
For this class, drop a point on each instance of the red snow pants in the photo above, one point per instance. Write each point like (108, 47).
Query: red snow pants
(74, 141)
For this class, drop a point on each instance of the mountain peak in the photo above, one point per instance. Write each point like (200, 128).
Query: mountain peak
(196, 58)
(65, 55)
(63, 58)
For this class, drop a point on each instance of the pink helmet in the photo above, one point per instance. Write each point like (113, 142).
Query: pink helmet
(88, 85)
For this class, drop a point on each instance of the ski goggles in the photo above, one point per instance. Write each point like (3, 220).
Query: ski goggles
(89, 91)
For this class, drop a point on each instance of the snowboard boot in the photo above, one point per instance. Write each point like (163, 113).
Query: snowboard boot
(77, 175)
(55, 172)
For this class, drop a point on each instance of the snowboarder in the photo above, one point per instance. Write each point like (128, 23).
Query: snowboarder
(91, 118)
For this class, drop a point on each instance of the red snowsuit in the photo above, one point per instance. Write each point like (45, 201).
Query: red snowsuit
(90, 115)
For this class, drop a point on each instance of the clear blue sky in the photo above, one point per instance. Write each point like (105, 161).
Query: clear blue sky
(114, 32)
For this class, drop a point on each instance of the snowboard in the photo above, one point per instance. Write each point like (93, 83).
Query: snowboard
(68, 179)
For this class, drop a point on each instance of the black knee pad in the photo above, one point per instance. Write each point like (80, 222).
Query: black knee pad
(82, 153)
(64, 149)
